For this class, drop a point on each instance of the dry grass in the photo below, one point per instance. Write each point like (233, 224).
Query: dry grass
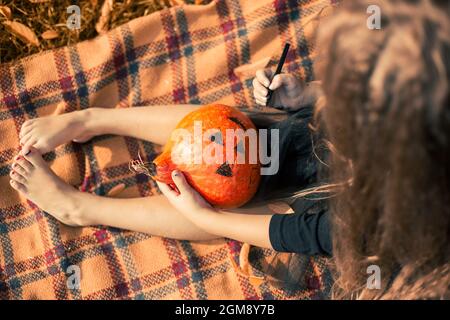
(50, 16)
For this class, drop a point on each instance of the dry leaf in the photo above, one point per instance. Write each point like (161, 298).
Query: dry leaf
(38, 1)
(6, 12)
(50, 34)
(177, 2)
(22, 32)
(244, 268)
(105, 16)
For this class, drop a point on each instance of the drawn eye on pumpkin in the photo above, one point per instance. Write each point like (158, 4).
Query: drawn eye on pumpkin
(238, 122)
(217, 138)
(240, 147)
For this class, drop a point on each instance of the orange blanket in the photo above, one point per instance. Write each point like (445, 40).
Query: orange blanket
(186, 54)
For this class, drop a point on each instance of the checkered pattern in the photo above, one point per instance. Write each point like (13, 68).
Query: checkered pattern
(186, 54)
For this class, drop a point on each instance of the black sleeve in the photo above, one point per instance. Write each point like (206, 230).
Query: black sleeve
(301, 233)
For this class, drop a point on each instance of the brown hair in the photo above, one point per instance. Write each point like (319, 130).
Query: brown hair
(387, 112)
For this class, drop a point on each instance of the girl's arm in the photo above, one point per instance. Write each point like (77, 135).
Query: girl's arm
(252, 228)
(248, 228)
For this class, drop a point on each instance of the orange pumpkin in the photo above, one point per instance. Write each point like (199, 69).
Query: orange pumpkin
(228, 182)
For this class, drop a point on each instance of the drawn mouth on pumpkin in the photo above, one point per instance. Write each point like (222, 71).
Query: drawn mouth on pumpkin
(225, 170)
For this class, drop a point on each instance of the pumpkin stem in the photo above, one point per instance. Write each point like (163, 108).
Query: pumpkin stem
(139, 166)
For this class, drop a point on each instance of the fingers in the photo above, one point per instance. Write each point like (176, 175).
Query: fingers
(180, 181)
(182, 186)
(166, 190)
(284, 79)
(261, 100)
(259, 89)
(263, 77)
(260, 93)
(260, 84)
(278, 81)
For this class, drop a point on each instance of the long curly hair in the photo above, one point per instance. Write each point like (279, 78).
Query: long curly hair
(387, 115)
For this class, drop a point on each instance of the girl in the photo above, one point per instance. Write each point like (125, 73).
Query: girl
(387, 119)
(186, 216)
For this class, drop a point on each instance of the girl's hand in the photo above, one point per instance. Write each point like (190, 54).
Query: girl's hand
(189, 202)
(287, 89)
(250, 228)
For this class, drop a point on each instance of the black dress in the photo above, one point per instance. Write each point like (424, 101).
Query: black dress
(307, 231)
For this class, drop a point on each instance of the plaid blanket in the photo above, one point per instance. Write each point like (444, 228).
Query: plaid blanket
(186, 54)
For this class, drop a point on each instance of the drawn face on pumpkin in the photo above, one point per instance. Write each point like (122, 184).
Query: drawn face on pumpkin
(218, 154)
